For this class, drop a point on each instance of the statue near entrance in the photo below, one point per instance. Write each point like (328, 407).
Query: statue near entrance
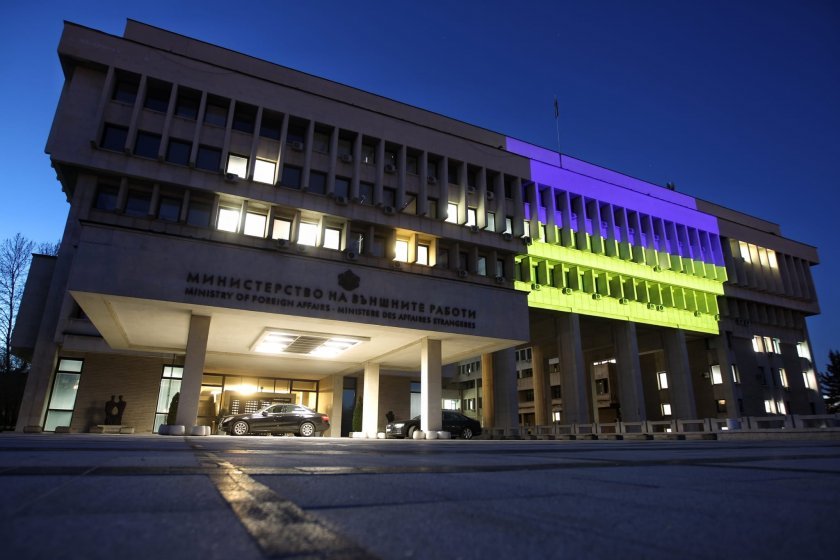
(111, 412)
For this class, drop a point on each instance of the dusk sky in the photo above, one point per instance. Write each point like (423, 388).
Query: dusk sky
(736, 102)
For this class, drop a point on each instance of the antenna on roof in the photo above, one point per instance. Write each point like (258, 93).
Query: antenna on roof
(557, 121)
(670, 186)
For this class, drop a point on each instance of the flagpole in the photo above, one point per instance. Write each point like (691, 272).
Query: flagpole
(557, 121)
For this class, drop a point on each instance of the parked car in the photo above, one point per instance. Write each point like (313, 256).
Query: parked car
(277, 419)
(453, 422)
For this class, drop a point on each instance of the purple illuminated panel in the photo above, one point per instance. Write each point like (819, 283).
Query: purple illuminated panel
(584, 179)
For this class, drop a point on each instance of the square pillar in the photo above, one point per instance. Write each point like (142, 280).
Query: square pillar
(431, 417)
(193, 371)
(488, 411)
(541, 386)
(370, 401)
(504, 390)
(337, 408)
(573, 371)
(631, 395)
(682, 390)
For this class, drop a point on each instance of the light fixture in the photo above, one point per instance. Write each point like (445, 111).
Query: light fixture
(317, 345)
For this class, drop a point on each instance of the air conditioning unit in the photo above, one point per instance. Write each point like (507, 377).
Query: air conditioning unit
(499, 279)
(346, 158)
(350, 255)
(717, 316)
(697, 313)
(623, 301)
(462, 273)
(342, 200)
(527, 240)
(388, 210)
(431, 179)
(490, 196)
(390, 168)
(596, 296)
(470, 190)
(282, 243)
(474, 229)
(660, 308)
(231, 177)
(567, 291)
(507, 236)
(657, 268)
(651, 306)
(296, 145)
(395, 264)
(535, 286)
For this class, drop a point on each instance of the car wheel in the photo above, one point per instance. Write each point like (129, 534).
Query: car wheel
(307, 429)
(466, 433)
(411, 431)
(239, 428)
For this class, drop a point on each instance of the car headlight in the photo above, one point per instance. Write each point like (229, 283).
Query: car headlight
(399, 425)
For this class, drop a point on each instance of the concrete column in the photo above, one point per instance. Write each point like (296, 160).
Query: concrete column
(430, 391)
(630, 391)
(573, 370)
(370, 401)
(729, 389)
(504, 390)
(193, 370)
(541, 387)
(337, 407)
(488, 410)
(679, 373)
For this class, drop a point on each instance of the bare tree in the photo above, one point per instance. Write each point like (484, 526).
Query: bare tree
(47, 248)
(15, 256)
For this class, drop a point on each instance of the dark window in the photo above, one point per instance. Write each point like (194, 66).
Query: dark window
(317, 182)
(125, 88)
(602, 386)
(296, 133)
(526, 396)
(215, 112)
(157, 96)
(433, 208)
(556, 392)
(187, 103)
(198, 213)
(389, 197)
(137, 203)
(271, 125)
(244, 117)
(208, 158)
(342, 186)
(432, 168)
(178, 152)
(365, 193)
(411, 164)
(106, 197)
(291, 176)
(114, 137)
(169, 208)
(452, 173)
(147, 144)
(509, 188)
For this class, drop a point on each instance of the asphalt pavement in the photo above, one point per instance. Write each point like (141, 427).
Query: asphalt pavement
(120, 497)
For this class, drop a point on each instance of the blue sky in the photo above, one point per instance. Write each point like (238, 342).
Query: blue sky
(734, 101)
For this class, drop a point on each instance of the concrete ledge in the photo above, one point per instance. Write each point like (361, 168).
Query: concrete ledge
(32, 429)
(65, 430)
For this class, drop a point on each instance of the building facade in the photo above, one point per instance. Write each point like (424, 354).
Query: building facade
(241, 233)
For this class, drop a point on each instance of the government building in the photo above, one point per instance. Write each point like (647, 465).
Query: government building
(244, 234)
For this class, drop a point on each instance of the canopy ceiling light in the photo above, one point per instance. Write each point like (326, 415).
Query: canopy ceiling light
(319, 345)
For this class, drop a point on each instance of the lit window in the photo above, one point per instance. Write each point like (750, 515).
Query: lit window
(452, 213)
(264, 171)
(228, 219)
(802, 350)
(771, 256)
(508, 225)
(255, 224)
(662, 379)
(762, 256)
(780, 406)
(332, 238)
(783, 378)
(745, 251)
(526, 226)
(717, 378)
(777, 348)
(769, 407)
(666, 409)
(806, 378)
(491, 221)
(423, 255)
(308, 234)
(757, 345)
(768, 345)
(237, 165)
(471, 217)
(450, 404)
(736, 375)
(282, 229)
(481, 268)
(401, 250)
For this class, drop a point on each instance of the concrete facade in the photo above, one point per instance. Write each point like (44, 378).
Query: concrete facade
(390, 248)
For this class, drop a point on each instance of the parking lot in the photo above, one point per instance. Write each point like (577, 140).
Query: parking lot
(140, 496)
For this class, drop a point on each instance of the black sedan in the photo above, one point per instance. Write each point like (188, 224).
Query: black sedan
(453, 422)
(277, 419)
